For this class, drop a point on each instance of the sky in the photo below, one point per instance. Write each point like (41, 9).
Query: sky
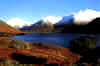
(33, 10)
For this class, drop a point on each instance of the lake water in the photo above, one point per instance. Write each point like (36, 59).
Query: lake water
(60, 39)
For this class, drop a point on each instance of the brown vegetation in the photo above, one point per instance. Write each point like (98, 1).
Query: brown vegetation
(54, 55)
(58, 55)
(6, 28)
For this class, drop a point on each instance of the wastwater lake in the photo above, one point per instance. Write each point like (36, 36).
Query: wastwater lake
(60, 39)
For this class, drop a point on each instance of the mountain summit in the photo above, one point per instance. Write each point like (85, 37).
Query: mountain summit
(66, 20)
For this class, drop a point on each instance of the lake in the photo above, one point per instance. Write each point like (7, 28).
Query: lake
(60, 39)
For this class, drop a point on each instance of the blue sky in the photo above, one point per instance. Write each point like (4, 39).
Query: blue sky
(32, 10)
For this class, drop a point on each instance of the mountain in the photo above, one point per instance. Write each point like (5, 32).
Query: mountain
(39, 26)
(65, 20)
(94, 26)
(4, 27)
(90, 28)
(44, 25)
(67, 24)
(84, 21)
(64, 24)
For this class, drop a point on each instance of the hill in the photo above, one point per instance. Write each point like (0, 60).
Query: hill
(6, 28)
(90, 28)
(39, 26)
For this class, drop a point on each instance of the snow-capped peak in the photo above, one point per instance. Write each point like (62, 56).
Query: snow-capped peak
(18, 23)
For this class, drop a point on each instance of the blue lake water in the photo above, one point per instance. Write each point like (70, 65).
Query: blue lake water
(60, 39)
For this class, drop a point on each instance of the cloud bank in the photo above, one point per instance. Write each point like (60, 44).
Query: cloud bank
(86, 16)
(82, 17)
(52, 19)
(17, 22)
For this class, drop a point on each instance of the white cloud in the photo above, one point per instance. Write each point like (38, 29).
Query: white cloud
(81, 17)
(17, 22)
(52, 19)
(86, 16)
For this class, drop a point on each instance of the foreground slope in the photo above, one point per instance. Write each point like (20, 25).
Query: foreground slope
(6, 28)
